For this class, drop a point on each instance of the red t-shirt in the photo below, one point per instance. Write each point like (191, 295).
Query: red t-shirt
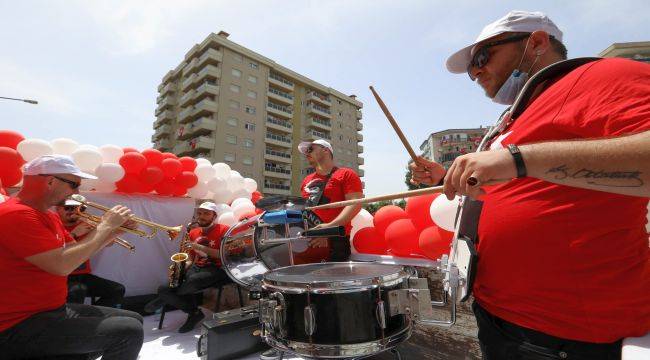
(85, 267)
(25, 231)
(570, 262)
(212, 240)
(342, 182)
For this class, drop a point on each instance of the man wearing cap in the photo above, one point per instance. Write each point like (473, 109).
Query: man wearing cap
(329, 183)
(203, 269)
(81, 283)
(563, 269)
(37, 254)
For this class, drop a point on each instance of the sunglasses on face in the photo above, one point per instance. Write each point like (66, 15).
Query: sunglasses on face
(482, 55)
(310, 149)
(73, 184)
(73, 208)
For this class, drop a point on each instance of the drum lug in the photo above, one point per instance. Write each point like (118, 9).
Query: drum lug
(414, 301)
(272, 312)
(310, 320)
(380, 313)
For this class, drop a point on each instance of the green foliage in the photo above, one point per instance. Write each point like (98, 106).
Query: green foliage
(407, 181)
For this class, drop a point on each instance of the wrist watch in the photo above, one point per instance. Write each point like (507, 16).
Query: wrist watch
(519, 160)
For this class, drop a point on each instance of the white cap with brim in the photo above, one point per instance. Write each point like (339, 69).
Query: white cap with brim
(514, 21)
(303, 146)
(70, 202)
(209, 205)
(54, 164)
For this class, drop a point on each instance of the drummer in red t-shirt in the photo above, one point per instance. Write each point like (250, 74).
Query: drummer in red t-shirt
(81, 283)
(329, 183)
(203, 268)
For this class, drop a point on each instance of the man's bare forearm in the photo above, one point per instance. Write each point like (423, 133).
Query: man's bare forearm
(618, 165)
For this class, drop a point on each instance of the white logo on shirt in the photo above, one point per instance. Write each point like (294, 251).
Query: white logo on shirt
(497, 143)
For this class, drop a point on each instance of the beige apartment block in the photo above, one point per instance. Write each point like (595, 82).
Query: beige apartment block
(639, 51)
(226, 103)
(445, 146)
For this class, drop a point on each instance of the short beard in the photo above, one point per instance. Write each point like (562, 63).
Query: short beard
(204, 224)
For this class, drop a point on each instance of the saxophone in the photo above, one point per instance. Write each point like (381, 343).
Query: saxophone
(176, 271)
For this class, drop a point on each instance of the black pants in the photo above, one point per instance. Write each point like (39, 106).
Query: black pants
(110, 293)
(502, 340)
(196, 279)
(339, 249)
(75, 329)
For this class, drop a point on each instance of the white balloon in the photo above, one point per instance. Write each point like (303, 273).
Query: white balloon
(223, 170)
(88, 146)
(222, 196)
(64, 146)
(240, 200)
(202, 161)
(362, 220)
(30, 149)
(109, 173)
(217, 184)
(199, 191)
(87, 159)
(111, 153)
(235, 173)
(242, 208)
(227, 219)
(223, 208)
(235, 182)
(242, 193)
(204, 172)
(88, 184)
(250, 185)
(443, 211)
(105, 186)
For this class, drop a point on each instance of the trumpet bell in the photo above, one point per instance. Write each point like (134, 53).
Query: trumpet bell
(179, 257)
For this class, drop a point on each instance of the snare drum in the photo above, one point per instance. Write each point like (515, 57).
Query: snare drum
(333, 310)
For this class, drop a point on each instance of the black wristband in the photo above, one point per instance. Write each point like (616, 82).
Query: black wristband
(519, 160)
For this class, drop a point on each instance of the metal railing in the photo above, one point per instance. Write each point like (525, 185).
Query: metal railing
(281, 93)
(280, 79)
(280, 122)
(281, 108)
(278, 138)
(277, 153)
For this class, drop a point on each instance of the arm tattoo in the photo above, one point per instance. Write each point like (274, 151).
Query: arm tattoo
(599, 177)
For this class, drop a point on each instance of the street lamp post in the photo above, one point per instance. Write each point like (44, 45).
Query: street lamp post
(23, 100)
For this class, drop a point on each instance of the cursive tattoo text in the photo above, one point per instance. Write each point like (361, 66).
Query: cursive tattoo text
(599, 177)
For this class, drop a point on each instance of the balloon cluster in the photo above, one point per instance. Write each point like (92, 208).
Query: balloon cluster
(424, 228)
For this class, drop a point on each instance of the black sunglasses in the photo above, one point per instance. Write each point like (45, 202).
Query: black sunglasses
(74, 207)
(482, 55)
(310, 149)
(74, 185)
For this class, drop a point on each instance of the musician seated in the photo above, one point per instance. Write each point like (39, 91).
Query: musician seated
(37, 256)
(81, 283)
(203, 268)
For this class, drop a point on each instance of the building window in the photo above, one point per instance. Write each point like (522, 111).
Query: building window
(231, 139)
(253, 65)
(349, 141)
(339, 101)
(249, 126)
(247, 160)
(250, 109)
(229, 157)
(236, 73)
(340, 113)
(234, 88)
(234, 104)
(340, 137)
(232, 121)
(252, 79)
(251, 94)
(238, 57)
(249, 143)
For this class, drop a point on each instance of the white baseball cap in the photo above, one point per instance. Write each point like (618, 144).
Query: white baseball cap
(54, 164)
(209, 205)
(514, 21)
(303, 146)
(71, 202)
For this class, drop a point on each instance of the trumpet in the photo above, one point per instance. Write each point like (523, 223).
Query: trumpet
(119, 241)
(172, 231)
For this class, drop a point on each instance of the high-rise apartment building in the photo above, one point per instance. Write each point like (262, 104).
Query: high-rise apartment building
(444, 146)
(639, 51)
(229, 104)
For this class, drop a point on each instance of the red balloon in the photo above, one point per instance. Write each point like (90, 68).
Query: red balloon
(133, 162)
(171, 167)
(145, 188)
(387, 215)
(368, 241)
(10, 138)
(129, 149)
(168, 155)
(154, 157)
(165, 187)
(179, 190)
(433, 243)
(11, 178)
(256, 196)
(417, 208)
(187, 179)
(129, 184)
(151, 175)
(402, 237)
(188, 163)
(10, 160)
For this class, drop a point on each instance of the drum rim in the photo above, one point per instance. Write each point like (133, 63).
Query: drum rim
(329, 287)
(225, 264)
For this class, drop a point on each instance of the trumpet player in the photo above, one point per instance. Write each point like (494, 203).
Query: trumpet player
(203, 268)
(35, 320)
(81, 282)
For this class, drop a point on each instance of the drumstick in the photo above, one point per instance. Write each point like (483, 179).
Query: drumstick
(405, 194)
(394, 124)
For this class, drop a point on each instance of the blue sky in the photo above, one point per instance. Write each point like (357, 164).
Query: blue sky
(94, 66)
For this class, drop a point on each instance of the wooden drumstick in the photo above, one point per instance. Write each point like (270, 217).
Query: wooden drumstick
(401, 195)
(394, 124)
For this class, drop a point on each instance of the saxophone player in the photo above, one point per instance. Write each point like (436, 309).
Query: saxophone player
(203, 268)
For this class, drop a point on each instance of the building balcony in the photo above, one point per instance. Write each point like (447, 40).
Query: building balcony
(167, 103)
(360, 161)
(276, 171)
(281, 82)
(279, 110)
(205, 107)
(359, 126)
(278, 140)
(359, 137)
(278, 156)
(210, 56)
(320, 99)
(162, 145)
(185, 115)
(188, 98)
(358, 114)
(360, 149)
(209, 71)
(280, 96)
(361, 173)
(164, 117)
(202, 126)
(163, 131)
(206, 89)
(320, 123)
(315, 135)
(168, 76)
(195, 146)
(160, 97)
(276, 189)
(169, 88)
(192, 52)
(190, 67)
(278, 124)
(319, 110)
(188, 82)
